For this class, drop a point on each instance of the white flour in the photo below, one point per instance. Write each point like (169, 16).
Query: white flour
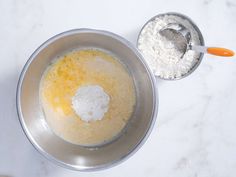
(90, 103)
(161, 55)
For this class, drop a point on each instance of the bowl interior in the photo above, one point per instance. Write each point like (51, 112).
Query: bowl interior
(32, 117)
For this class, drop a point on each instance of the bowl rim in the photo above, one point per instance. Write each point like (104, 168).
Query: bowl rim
(31, 138)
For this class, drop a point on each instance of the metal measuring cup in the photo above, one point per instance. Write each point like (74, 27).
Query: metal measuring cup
(200, 37)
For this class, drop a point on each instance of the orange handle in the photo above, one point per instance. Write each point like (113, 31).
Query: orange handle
(220, 51)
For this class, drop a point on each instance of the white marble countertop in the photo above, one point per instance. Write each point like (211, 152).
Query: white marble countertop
(195, 133)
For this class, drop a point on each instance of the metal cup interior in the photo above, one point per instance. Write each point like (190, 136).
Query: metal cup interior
(74, 156)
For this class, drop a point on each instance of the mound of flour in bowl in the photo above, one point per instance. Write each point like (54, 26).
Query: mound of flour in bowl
(90, 102)
(161, 55)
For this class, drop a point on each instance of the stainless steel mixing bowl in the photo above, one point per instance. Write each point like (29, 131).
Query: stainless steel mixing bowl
(74, 156)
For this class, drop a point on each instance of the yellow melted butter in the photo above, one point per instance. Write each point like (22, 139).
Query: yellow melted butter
(86, 67)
